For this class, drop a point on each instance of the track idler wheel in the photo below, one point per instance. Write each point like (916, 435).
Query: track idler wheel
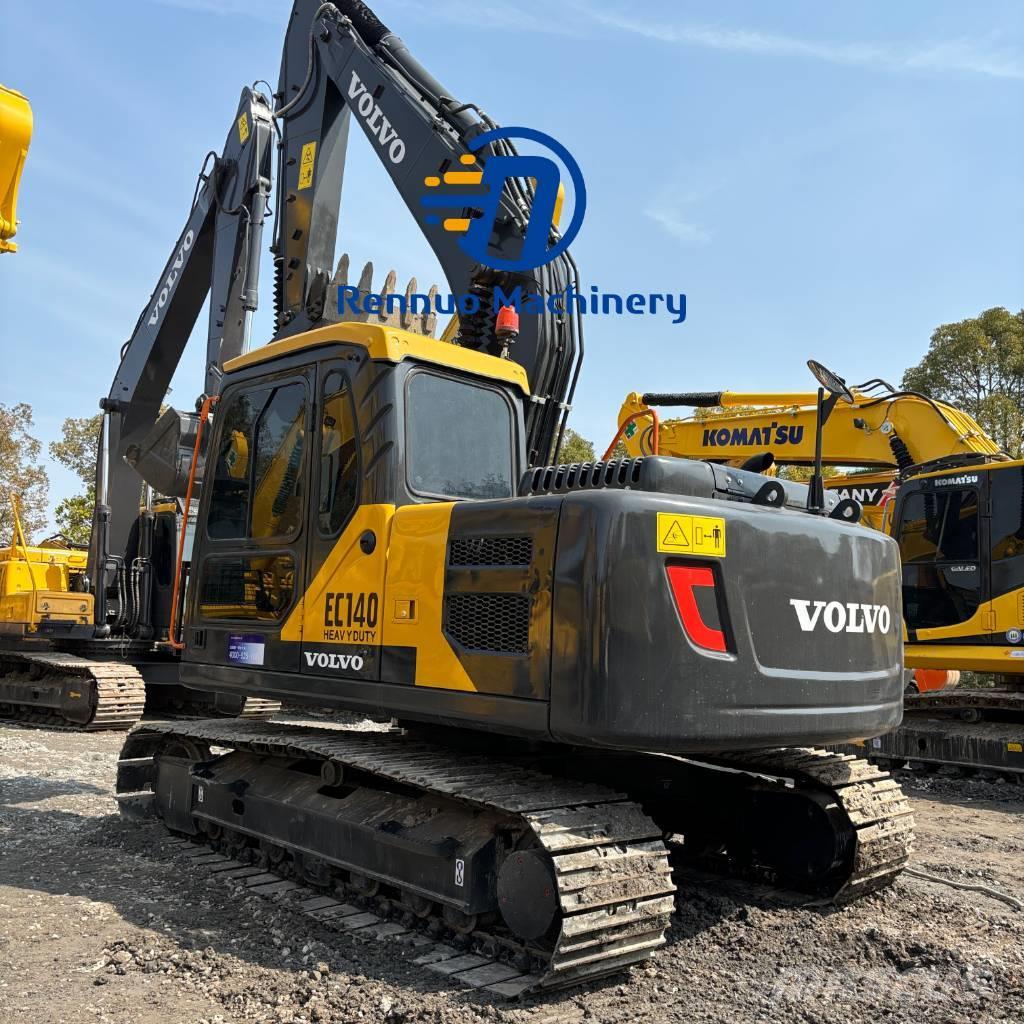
(528, 893)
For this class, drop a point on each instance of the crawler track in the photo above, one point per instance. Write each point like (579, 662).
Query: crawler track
(60, 690)
(882, 825)
(609, 864)
(608, 860)
(65, 691)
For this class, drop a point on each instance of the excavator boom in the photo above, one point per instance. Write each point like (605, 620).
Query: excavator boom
(896, 429)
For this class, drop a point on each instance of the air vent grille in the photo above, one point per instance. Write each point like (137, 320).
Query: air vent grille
(490, 623)
(490, 551)
(579, 476)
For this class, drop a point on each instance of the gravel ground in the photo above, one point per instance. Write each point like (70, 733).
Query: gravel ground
(101, 922)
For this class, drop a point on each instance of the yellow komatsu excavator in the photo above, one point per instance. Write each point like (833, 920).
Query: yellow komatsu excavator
(15, 134)
(881, 433)
(923, 472)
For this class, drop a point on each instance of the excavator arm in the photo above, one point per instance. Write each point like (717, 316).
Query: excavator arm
(883, 428)
(341, 61)
(215, 256)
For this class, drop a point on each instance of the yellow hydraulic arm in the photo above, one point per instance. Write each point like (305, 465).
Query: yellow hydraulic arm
(15, 134)
(882, 428)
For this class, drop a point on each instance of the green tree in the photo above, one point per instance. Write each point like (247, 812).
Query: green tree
(77, 450)
(576, 448)
(977, 365)
(20, 472)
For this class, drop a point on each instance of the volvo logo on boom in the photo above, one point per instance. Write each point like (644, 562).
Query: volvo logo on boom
(837, 617)
(379, 126)
(172, 277)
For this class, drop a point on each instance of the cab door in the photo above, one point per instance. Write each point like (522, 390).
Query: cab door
(943, 538)
(252, 551)
(1006, 499)
(339, 635)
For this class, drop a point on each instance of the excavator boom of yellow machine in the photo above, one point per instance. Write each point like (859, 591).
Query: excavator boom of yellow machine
(15, 134)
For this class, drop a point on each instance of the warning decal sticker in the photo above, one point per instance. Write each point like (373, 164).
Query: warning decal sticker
(306, 165)
(691, 535)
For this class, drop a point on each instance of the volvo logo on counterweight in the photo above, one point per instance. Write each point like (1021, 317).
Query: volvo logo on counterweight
(837, 617)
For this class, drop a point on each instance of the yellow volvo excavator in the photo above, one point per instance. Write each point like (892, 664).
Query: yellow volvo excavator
(380, 523)
(931, 478)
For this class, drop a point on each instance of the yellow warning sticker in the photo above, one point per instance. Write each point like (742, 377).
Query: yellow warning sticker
(306, 165)
(691, 535)
(1015, 748)
(243, 128)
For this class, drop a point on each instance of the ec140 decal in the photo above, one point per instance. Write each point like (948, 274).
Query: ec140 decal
(351, 617)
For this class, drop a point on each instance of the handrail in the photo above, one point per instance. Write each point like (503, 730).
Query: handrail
(204, 415)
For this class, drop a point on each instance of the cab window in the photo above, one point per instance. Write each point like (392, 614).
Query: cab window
(459, 440)
(257, 474)
(942, 574)
(244, 587)
(939, 526)
(1007, 499)
(339, 475)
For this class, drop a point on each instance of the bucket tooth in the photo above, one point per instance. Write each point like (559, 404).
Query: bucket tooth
(391, 314)
(387, 315)
(407, 319)
(332, 310)
(365, 287)
(428, 320)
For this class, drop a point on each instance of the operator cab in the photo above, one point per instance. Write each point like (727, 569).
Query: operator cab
(316, 441)
(961, 537)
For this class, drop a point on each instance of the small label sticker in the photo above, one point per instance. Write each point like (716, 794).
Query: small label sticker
(243, 128)
(876, 743)
(460, 873)
(306, 165)
(1015, 748)
(691, 535)
(245, 649)
(200, 795)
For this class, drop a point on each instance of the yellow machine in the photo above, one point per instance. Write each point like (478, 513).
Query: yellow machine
(15, 134)
(38, 584)
(956, 513)
(379, 527)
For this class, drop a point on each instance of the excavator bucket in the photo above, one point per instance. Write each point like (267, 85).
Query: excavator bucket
(15, 134)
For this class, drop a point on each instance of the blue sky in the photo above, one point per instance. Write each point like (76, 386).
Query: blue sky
(820, 179)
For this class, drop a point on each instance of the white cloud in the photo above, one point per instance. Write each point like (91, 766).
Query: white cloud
(681, 230)
(963, 55)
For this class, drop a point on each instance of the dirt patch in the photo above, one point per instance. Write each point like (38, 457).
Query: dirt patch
(100, 923)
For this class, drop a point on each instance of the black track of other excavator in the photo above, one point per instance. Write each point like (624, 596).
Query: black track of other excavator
(607, 858)
(879, 831)
(65, 691)
(59, 690)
